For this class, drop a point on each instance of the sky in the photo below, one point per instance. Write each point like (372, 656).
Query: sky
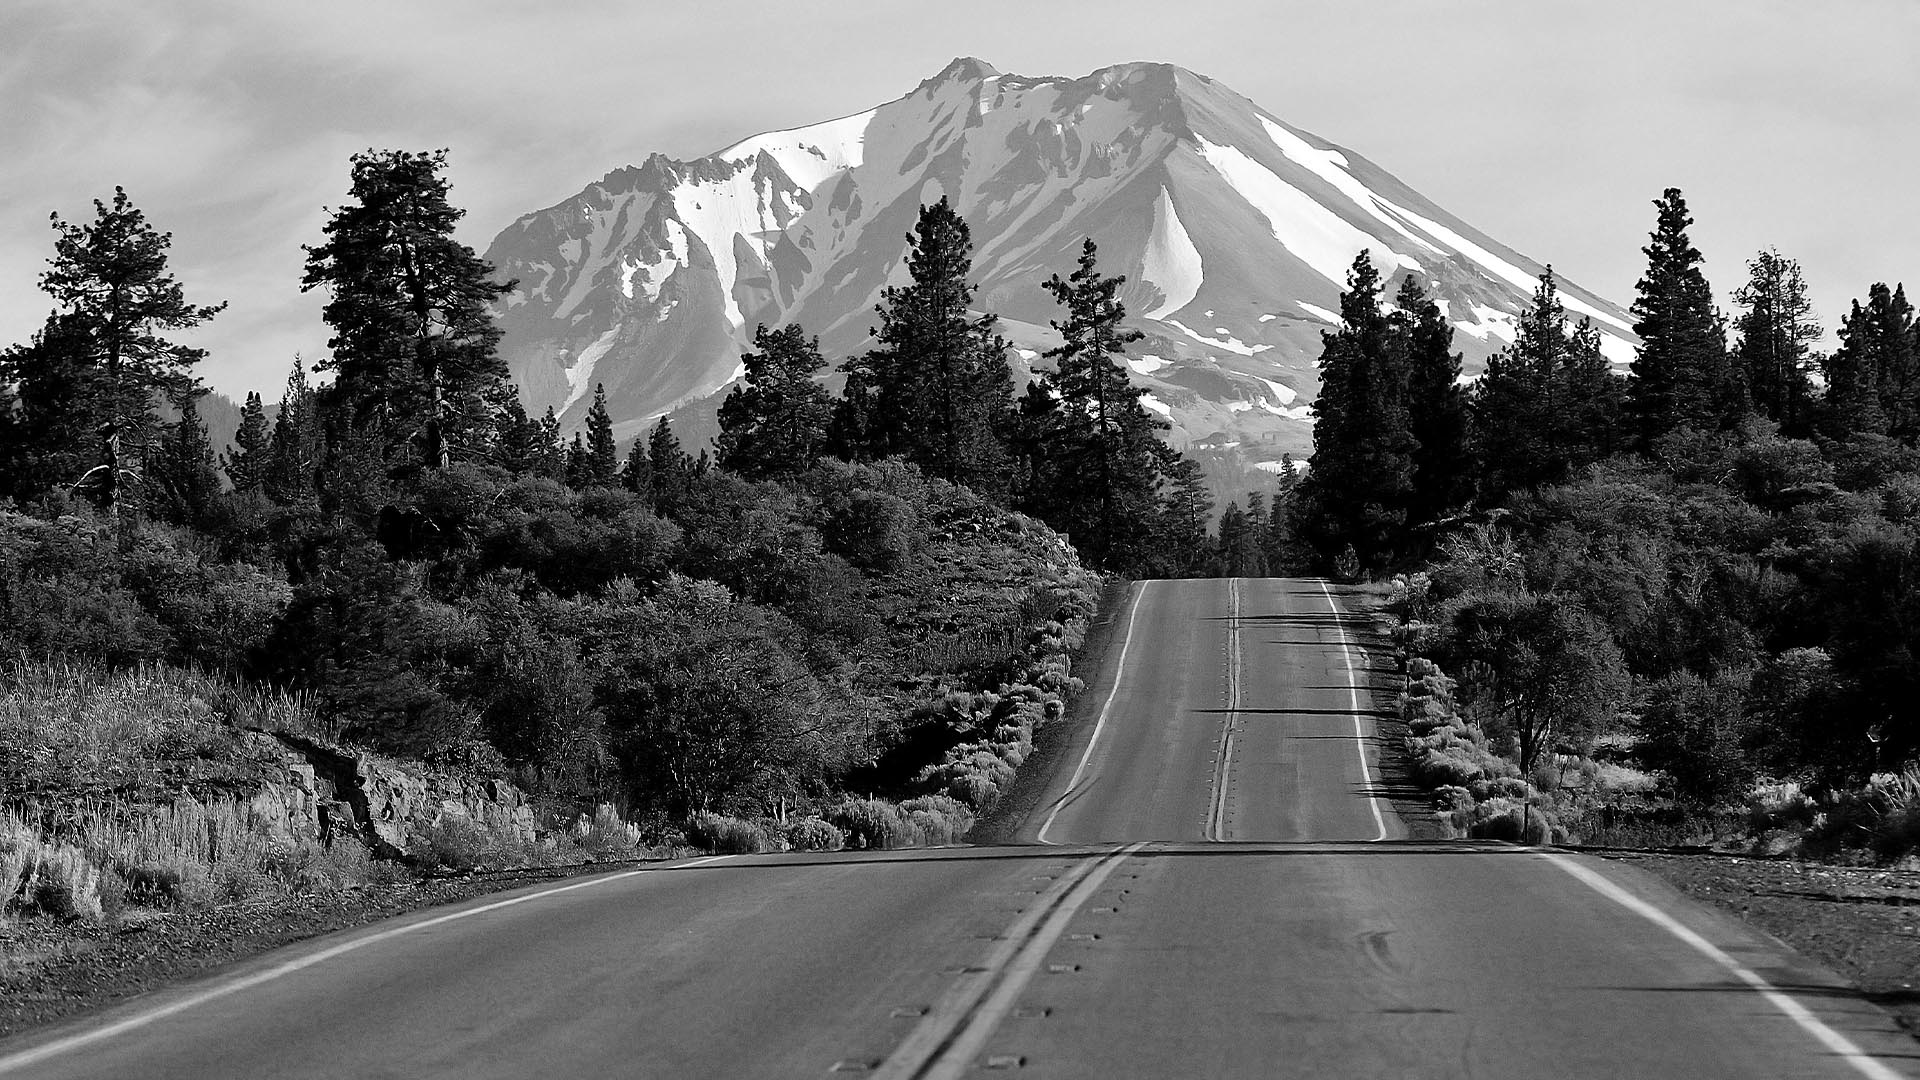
(1551, 126)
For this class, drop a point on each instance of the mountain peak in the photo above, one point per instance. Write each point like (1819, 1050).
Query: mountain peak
(964, 69)
(1234, 232)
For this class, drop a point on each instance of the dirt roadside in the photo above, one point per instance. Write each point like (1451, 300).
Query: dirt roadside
(1861, 922)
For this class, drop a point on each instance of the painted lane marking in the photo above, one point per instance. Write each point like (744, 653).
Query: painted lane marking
(1216, 827)
(945, 1044)
(1119, 672)
(1845, 1048)
(35, 1055)
(1353, 705)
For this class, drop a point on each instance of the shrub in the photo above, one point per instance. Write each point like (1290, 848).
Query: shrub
(1505, 819)
(872, 824)
(605, 831)
(940, 819)
(725, 835)
(453, 843)
(65, 884)
(814, 834)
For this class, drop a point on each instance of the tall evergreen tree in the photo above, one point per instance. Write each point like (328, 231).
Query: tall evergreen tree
(937, 390)
(603, 455)
(414, 345)
(774, 423)
(1436, 406)
(519, 441)
(115, 303)
(553, 449)
(1870, 377)
(1099, 474)
(182, 486)
(62, 404)
(671, 466)
(246, 461)
(1361, 483)
(1680, 374)
(1185, 508)
(637, 474)
(294, 449)
(1547, 404)
(579, 464)
(1776, 331)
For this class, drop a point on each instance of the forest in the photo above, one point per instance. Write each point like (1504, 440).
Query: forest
(1677, 603)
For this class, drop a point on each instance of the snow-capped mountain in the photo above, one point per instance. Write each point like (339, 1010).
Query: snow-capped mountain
(1234, 229)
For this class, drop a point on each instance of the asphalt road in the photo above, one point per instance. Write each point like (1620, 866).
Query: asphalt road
(1211, 887)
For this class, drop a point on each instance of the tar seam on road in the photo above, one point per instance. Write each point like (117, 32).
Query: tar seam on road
(1119, 672)
(1216, 827)
(943, 1045)
(37, 1054)
(1842, 1046)
(1353, 702)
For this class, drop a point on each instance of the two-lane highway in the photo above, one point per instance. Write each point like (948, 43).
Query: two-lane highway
(1241, 712)
(1210, 888)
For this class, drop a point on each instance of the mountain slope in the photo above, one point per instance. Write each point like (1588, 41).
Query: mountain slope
(1233, 228)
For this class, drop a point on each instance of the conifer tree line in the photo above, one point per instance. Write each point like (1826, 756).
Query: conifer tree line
(1709, 554)
(1403, 450)
(417, 384)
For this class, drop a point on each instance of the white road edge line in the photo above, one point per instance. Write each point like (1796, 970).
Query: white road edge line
(1353, 705)
(1862, 1062)
(1119, 672)
(37, 1054)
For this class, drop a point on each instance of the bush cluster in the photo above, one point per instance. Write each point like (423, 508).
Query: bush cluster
(1477, 792)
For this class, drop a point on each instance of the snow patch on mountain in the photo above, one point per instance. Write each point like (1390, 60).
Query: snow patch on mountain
(1172, 261)
(1231, 344)
(1314, 234)
(580, 375)
(1331, 166)
(1282, 393)
(1146, 363)
(1156, 404)
(810, 156)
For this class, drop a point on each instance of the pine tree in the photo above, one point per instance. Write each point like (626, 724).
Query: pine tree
(553, 449)
(1099, 447)
(62, 405)
(519, 441)
(1776, 331)
(1681, 377)
(1185, 507)
(294, 450)
(938, 389)
(671, 466)
(1870, 377)
(182, 485)
(1361, 484)
(603, 455)
(246, 462)
(774, 423)
(637, 474)
(414, 345)
(115, 299)
(579, 469)
(1436, 407)
(1547, 404)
